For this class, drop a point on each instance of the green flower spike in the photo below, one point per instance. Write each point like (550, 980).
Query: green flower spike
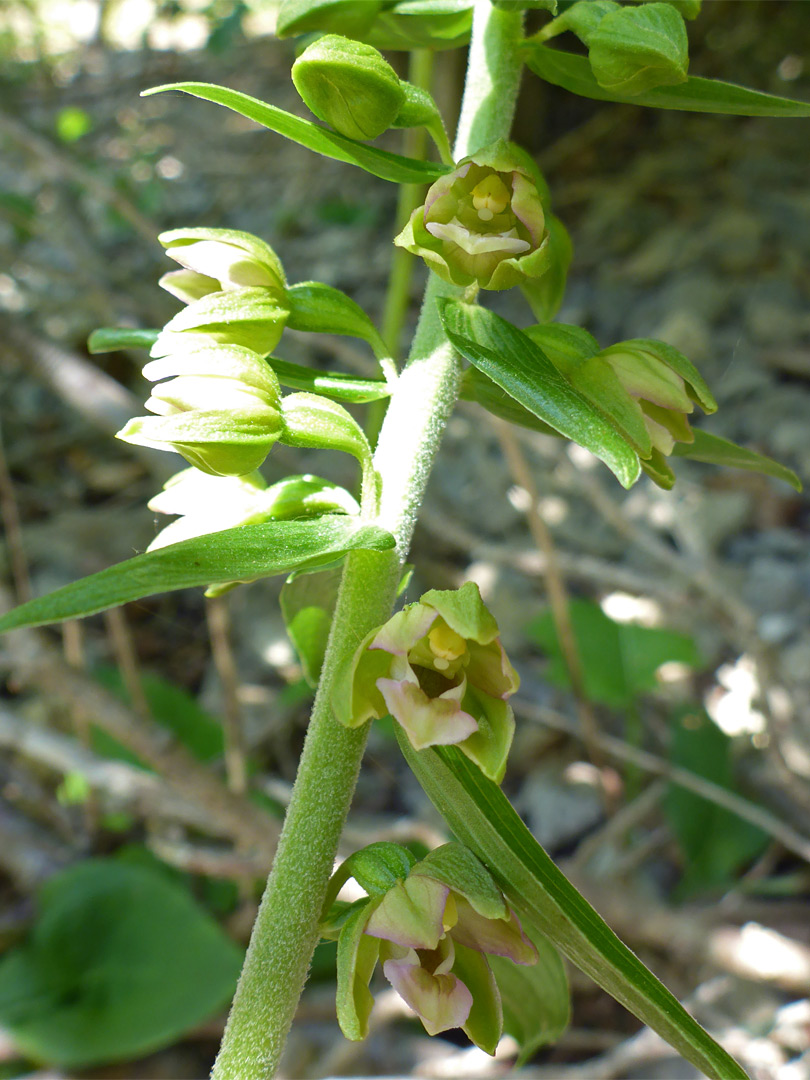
(218, 260)
(438, 667)
(431, 925)
(482, 223)
(221, 409)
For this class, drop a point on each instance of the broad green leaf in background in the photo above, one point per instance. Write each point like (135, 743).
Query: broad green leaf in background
(170, 706)
(422, 24)
(394, 167)
(715, 842)
(695, 95)
(480, 816)
(110, 338)
(619, 660)
(307, 603)
(520, 367)
(119, 962)
(536, 999)
(243, 554)
(348, 17)
(718, 451)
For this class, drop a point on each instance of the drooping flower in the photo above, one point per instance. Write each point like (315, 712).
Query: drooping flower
(483, 222)
(218, 260)
(438, 667)
(219, 406)
(431, 925)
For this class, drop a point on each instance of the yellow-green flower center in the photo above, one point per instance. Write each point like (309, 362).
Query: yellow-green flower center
(446, 646)
(490, 196)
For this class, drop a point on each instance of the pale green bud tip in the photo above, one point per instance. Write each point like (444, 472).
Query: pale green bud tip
(349, 86)
(227, 257)
(482, 223)
(438, 667)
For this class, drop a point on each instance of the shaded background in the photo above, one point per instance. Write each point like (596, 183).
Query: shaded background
(691, 607)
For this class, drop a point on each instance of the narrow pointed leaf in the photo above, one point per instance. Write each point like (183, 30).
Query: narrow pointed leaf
(717, 451)
(694, 95)
(520, 367)
(243, 554)
(481, 817)
(110, 338)
(323, 309)
(394, 167)
(331, 384)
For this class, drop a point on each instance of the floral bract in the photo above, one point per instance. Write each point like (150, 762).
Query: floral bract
(438, 667)
(482, 223)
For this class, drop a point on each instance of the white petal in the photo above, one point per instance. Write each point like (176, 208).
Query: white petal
(478, 243)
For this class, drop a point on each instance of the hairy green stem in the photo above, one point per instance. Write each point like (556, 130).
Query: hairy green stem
(286, 929)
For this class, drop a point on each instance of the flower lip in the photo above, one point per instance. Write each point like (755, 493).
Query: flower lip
(478, 243)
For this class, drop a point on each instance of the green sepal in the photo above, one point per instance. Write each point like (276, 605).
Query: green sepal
(317, 423)
(378, 867)
(464, 611)
(251, 318)
(357, 955)
(321, 309)
(546, 293)
(306, 495)
(489, 746)
(600, 384)
(349, 86)
(484, 1025)
(418, 108)
(220, 362)
(455, 865)
(658, 469)
(355, 697)
(110, 338)
(669, 357)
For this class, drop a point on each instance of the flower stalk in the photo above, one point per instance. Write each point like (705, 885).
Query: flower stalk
(287, 926)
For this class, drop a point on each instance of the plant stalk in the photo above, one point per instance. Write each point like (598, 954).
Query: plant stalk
(286, 929)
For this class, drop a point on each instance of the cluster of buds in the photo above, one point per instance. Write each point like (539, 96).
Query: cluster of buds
(439, 669)
(431, 924)
(220, 403)
(482, 223)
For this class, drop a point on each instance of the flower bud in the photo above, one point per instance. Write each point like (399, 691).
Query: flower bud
(221, 410)
(438, 667)
(349, 86)
(253, 318)
(665, 385)
(431, 930)
(483, 223)
(218, 260)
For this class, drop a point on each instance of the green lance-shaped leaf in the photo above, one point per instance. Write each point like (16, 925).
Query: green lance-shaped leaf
(243, 554)
(321, 309)
(110, 338)
(481, 817)
(718, 451)
(478, 387)
(695, 95)
(535, 998)
(520, 367)
(394, 167)
(330, 384)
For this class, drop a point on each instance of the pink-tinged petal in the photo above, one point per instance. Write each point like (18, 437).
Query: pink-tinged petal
(443, 184)
(402, 631)
(489, 670)
(440, 1001)
(527, 207)
(498, 937)
(428, 721)
(411, 913)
